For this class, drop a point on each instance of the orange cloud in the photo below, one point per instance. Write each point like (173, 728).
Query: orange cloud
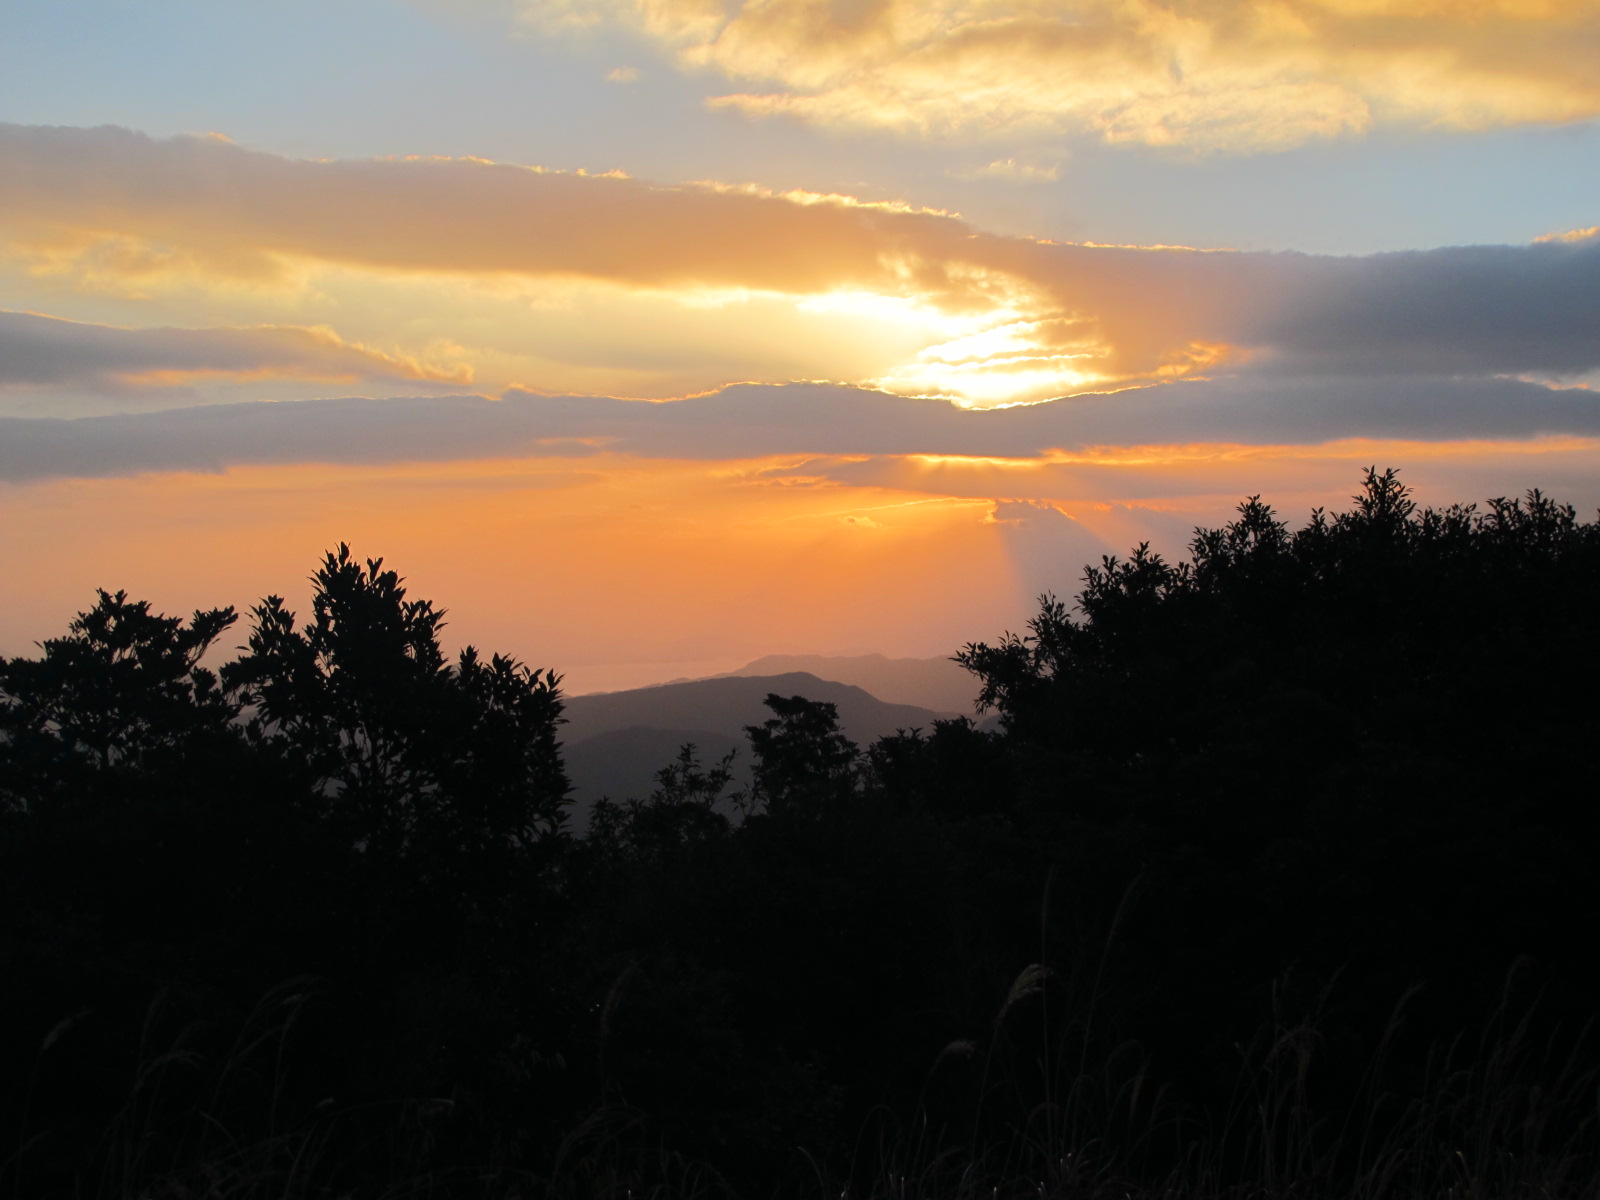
(1571, 235)
(127, 203)
(775, 281)
(1232, 75)
(235, 209)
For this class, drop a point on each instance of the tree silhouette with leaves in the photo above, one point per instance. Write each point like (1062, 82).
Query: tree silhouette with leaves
(682, 809)
(412, 755)
(1353, 613)
(122, 693)
(804, 766)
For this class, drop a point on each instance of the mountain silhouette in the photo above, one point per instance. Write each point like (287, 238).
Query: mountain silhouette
(615, 742)
(936, 683)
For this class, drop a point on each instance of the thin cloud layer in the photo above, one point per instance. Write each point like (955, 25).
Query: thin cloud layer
(797, 421)
(1206, 75)
(40, 352)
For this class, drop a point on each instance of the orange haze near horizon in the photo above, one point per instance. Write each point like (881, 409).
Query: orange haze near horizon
(618, 572)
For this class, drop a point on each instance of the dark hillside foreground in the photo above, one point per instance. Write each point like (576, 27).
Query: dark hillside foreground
(1274, 878)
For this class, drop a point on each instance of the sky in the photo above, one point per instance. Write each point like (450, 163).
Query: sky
(651, 336)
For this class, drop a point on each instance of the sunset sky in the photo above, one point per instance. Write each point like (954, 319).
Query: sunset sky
(651, 336)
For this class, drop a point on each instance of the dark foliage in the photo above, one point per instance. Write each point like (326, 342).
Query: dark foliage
(1276, 878)
(415, 757)
(120, 697)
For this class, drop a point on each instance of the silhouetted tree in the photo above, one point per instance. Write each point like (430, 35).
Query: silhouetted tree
(954, 771)
(122, 693)
(414, 756)
(1346, 618)
(1310, 734)
(804, 766)
(681, 810)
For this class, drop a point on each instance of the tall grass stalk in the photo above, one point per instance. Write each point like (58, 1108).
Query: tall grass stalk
(1495, 1115)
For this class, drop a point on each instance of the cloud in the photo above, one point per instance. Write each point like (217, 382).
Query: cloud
(1464, 309)
(1013, 169)
(215, 437)
(1206, 75)
(832, 423)
(1039, 538)
(1001, 319)
(1019, 513)
(231, 209)
(1571, 235)
(38, 351)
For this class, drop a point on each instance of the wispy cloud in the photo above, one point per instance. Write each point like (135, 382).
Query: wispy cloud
(1013, 169)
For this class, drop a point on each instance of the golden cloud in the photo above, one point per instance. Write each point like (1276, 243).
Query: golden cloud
(112, 204)
(767, 286)
(1232, 75)
(1571, 235)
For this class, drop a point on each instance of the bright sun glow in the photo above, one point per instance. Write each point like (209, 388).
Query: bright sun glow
(990, 358)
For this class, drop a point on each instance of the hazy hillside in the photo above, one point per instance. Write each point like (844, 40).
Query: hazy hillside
(937, 683)
(622, 763)
(615, 742)
(726, 705)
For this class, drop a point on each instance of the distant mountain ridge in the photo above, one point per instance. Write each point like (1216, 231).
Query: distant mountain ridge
(936, 683)
(615, 742)
(726, 704)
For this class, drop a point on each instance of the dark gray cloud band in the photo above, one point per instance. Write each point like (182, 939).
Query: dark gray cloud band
(1462, 309)
(752, 421)
(38, 351)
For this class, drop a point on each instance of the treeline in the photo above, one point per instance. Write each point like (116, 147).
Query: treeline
(1275, 878)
